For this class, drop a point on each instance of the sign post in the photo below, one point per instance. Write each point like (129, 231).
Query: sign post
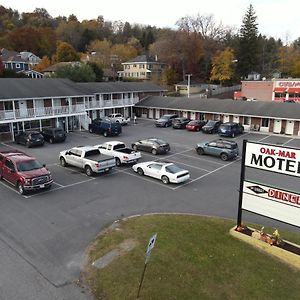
(151, 244)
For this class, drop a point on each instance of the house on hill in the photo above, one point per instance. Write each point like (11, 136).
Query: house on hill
(142, 67)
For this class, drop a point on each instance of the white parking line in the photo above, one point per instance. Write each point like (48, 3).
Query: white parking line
(287, 142)
(199, 158)
(202, 176)
(180, 163)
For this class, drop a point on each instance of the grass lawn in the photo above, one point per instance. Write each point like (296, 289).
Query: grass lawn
(193, 258)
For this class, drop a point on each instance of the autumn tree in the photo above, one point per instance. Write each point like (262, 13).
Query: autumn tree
(124, 51)
(1, 68)
(223, 66)
(248, 51)
(97, 70)
(65, 52)
(44, 63)
(77, 73)
(169, 77)
(101, 52)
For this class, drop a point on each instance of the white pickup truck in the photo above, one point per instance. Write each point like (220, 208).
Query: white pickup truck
(118, 118)
(121, 153)
(88, 158)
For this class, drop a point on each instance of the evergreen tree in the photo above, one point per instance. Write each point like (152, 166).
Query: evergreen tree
(248, 49)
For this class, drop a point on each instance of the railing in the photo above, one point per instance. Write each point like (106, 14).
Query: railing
(41, 111)
(111, 103)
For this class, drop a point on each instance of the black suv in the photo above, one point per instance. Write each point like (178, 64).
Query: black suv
(165, 120)
(53, 135)
(30, 138)
(180, 123)
(105, 127)
(211, 126)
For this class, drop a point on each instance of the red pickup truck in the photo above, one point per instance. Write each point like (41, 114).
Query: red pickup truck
(24, 171)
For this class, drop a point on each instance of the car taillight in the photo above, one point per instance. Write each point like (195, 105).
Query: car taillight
(125, 157)
(109, 129)
(97, 165)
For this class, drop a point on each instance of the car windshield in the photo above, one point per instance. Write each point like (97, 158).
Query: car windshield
(58, 131)
(164, 117)
(194, 122)
(225, 126)
(173, 169)
(160, 142)
(35, 135)
(28, 165)
(211, 123)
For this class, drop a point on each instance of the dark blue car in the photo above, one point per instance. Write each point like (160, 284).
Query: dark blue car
(230, 129)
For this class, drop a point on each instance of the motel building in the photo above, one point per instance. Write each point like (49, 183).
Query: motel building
(277, 90)
(33, 104)
(263, 116)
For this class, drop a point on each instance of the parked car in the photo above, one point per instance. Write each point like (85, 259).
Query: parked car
(105, 126)
(30, 138)
(165, 120)
(180, 123)
(119, 118)
(211, 126)
(222, 148)
(53, 135)
(87, 158)
(230, 129)
(24, 171)
(166, 172)
(120, 152)
(153, 145)
(195, 125)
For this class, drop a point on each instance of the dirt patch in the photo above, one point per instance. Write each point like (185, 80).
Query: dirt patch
(122, 248)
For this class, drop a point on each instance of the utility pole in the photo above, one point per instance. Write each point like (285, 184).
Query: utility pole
(189, 83)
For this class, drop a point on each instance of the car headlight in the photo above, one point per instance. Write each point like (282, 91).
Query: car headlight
(27, 181)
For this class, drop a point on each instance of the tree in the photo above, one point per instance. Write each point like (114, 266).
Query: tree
(247, 56)
(77, 73)
(169, 77)
(65, 52)
(102, 52)
(44, 63)
(97, 70)
(222, 66)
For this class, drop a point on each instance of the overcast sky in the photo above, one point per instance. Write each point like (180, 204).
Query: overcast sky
(276, 18)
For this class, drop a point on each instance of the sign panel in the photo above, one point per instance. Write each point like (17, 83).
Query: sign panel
(151, 245)
(273, 158)
(272, 202)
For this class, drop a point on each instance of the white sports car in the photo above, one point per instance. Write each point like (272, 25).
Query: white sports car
(166, 172)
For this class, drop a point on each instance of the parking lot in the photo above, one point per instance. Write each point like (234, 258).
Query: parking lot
(49, 230)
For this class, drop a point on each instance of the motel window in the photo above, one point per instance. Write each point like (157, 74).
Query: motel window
(134, 65)
(264, 122)
(246, 120)
(201, 116)
(8, 105)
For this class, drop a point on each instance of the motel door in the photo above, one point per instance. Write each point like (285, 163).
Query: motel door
(236, 119)
(226, 118)
(289, 128)
(23, 108)
(277, 126)
(157, 114)
(151, 113)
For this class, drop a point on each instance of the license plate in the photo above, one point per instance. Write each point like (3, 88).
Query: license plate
(42, 186)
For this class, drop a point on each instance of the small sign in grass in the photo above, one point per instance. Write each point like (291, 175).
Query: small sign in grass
(194, 258)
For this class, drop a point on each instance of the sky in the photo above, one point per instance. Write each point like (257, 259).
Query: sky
(275, 18)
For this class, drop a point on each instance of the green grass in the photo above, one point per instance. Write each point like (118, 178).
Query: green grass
(193, 258)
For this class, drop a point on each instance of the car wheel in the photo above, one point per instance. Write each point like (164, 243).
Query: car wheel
(118, 162)
(233, 135)
(1, 176)
(154, 151)
(91, 130)
(197, 129)
(51, 140)
(166, 125)
(105, 133)
(200, 151)
(20, 188)
(88, 171)
(165, 179)
(140, 171)
(134, 147)
(27, 144)
(63, 162)
(224, 156)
